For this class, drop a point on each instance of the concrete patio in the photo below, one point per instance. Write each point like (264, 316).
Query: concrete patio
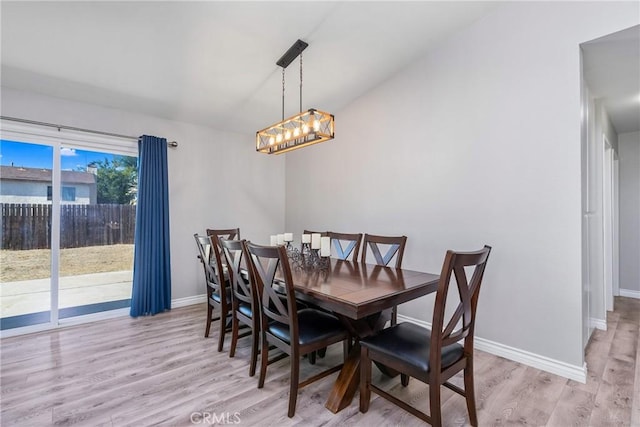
(31, 296)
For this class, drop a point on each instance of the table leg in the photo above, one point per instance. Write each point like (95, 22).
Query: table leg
(347, 382)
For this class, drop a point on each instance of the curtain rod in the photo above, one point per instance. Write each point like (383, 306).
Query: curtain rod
(172, 144)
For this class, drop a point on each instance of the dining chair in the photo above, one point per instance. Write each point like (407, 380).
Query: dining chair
(393, 247)
(223, 296)
(293, 332)
(351, 242)
(217, 295)
(244, 302)
(433, 355)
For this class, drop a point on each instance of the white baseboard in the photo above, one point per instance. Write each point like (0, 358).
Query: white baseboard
(629, 293)
(183, 302)
(598, 323)
(573, 372)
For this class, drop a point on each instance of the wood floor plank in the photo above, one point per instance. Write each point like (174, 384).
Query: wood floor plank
(574, 408)
(160, 370)
(635, 406)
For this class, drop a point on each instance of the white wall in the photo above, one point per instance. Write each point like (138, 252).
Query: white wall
(479, 142)
(629, 146)
(216, 179)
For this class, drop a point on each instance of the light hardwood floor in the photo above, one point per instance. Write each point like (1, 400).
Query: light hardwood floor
(160, 370)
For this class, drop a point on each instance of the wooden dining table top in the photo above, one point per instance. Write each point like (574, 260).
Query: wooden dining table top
(357, 290)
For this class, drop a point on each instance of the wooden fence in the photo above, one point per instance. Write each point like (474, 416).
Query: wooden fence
(28, 226)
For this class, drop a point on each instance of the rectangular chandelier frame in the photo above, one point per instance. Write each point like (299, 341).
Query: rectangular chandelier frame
(304, 129)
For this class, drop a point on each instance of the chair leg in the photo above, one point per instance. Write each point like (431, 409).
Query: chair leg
(404, 379)
(254, 350)
(434, 404)
(394, 315)
(293, 383)
(365, 379)
(312, 358)
(322, 352)
(235, 326)
(209, 320)
(470, 393)
(264, 360)
(223, 329)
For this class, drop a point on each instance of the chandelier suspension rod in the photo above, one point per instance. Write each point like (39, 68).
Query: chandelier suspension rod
(282, 93)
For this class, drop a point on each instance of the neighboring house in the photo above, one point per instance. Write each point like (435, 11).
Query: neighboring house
(33, 185)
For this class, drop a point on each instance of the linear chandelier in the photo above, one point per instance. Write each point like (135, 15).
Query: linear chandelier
(305, 128)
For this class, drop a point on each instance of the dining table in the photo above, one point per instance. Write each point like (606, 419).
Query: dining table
(362, 296)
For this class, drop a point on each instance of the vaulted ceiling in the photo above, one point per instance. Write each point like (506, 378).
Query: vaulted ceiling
(213, 63)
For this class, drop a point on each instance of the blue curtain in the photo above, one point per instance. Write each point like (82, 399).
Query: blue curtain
(151, 292)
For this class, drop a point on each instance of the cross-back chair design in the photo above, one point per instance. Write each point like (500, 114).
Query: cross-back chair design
(346, 245)
(222, 295)
(432, 356)
(216, 294)
(244, 303)
(294, 332)
(223, 233)
(394, 249)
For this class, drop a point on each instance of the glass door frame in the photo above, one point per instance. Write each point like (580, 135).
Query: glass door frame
(58, 139)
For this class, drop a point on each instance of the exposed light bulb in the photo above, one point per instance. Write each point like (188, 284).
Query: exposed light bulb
(272, 140)
(296, 132)
(287, 135)
(316, 125)
(305, 129)
(279, 138)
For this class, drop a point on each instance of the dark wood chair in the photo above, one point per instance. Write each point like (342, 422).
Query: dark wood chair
(222, 297)
(217, 295)
(352, 242)
(223, 233)
(294, 332)
(322, 233)
(393, 247)
(432, 356)
(245, 308)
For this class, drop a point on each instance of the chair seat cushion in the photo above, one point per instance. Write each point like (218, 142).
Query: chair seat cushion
(410, 344)
(245, 309)
(313, 325)
(216, 296)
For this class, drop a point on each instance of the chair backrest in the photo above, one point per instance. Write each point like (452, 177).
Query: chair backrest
(265, 262)
(322, 233)
(393, 245)
(351, 242)
(204, 251)
(460, 324)
(223, 233)
(217, 257)
(243, 288)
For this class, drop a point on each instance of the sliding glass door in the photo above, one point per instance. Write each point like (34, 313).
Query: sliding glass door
(68, 223)
(97, 225)
(25, 252)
